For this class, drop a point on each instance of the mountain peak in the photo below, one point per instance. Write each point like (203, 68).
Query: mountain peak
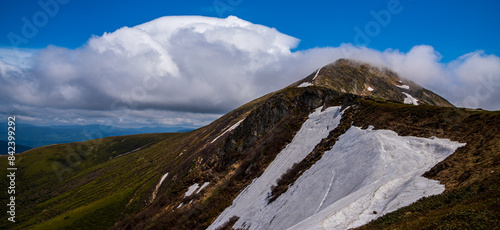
(354, 77)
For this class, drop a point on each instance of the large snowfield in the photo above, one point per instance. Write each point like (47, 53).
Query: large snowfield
(366, 174)
(315, 128)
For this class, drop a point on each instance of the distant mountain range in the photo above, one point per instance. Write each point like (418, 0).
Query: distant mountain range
(38, 136)
(351, 145)
(19, 148)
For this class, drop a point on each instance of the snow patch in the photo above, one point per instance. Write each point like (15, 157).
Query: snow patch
(403, 86)
(317, 72)
(254, 197)
(370, 89)
(195, 189)
(305, 84)
(191, 190)
(409, 99)
(203, 186)
(123, 154)
(228, 130)
(158, 186)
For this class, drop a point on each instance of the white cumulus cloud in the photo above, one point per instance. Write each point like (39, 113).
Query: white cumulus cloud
(190, 69)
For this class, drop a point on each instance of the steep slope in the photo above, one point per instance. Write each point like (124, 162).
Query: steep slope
(188, 180)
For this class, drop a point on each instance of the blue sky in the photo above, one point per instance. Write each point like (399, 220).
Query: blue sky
(451, 27)
(125, 64)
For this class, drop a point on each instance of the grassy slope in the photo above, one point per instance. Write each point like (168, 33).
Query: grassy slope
(476, 206)
(96, 178)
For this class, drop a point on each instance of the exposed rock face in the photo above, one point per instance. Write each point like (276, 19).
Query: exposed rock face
(281, 106)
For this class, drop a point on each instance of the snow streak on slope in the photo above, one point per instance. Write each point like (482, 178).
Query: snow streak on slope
(229, 130)
(366, 174)
(317, 72)
(305, 84)
(191, 190)
(403, 86)
(158, 186)
(195, 189)
(409, 99)
(254, 197)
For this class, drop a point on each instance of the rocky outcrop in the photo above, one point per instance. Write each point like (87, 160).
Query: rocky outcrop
(263, 119)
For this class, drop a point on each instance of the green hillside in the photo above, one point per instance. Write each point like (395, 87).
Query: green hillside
(80, 178)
